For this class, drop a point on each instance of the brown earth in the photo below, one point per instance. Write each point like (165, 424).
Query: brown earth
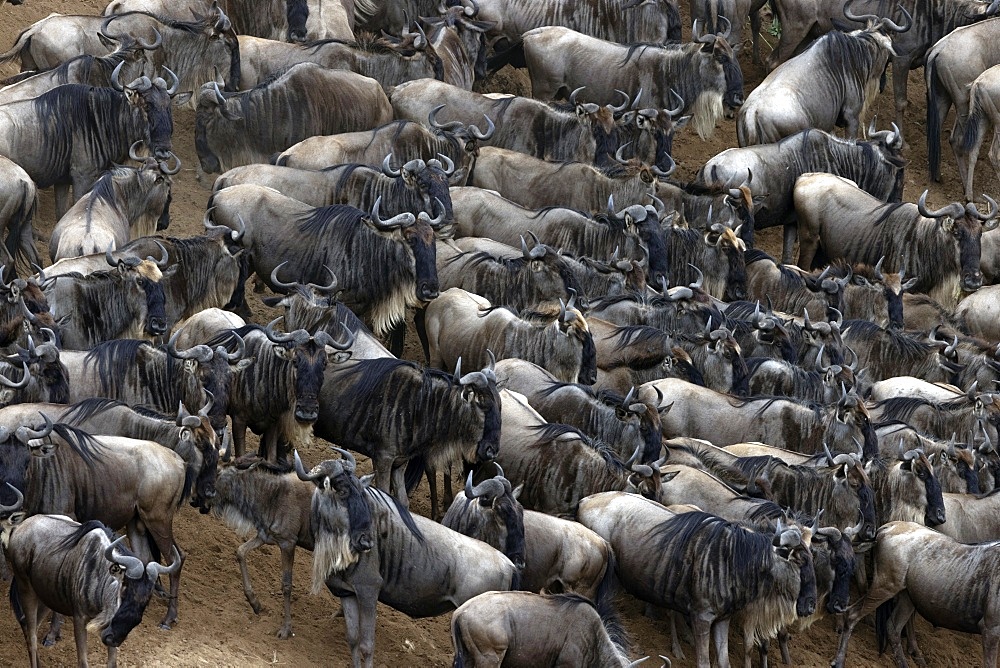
(217, 627)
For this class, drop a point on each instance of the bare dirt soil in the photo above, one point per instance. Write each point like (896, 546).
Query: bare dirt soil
(216, 626)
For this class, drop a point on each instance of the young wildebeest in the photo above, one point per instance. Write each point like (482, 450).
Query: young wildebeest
(120, 481)
(941, 248)
(514, 629)
(125, 203)
(270, 506)
(556, 339)
(558, 465)
(408, 418)
(618, 421)
(728, 568)
(368, 548)
(384, 265)
(552, 554)
(62, 566)
(949, 583)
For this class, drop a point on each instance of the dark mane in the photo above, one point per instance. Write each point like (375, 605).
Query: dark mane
(75, 536)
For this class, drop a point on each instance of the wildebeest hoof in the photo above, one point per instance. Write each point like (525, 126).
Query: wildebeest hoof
(256, 607)
(50, 641)
(164, 626)
(285, 634)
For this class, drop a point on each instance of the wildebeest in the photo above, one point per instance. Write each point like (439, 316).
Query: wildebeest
(939, 419)
(555, 338)
(394, 427)
(705, 73)
(73, 133)
(505, 277)
(201, 50)
(583, 133)
(831, 84)
(62, 566)
(415, 186)
(383, 265)
(404, 140)
(304, 101)
(790, 290)
(875, 165)
(728, 568)
(953, 63)
(123, 204)
(559, 465)
(889, 352)
(823, 384)
(782, 422)
(934, 575)
(619, 422)
(276, 392)
(85, 69)
(716, 252)
(120, 481)
(712, 14)
(553, 554)
(513, 627)
(368, 548)
(270, 506)
(634, 231)
(124, 302)
(941, 248)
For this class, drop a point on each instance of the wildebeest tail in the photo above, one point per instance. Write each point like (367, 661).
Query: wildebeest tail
(456, 642)
(513, 55)
(975, 125)
(15, 603)
(280, 160)
(21, 44)
(882, 615)
(604, 601)
(414, 472)
(20, 241)
(933, 119)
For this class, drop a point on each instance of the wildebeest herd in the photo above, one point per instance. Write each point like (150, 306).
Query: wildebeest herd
(633, 396)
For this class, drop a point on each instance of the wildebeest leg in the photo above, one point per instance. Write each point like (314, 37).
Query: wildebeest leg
(397, 337)
(433, 487)
(62, 199)
(287, 562)
(701, 625)
(788, 246)
(991, 641)
(383, 474)
(994, 153)
(55, 630)
(80, 635)
(32, 611)
(966, 161)
(241, 558)
(912, 648)
(420, 324)
(783, 638)
(900, 72)
(399, 485)
(675, 641)
(762, 649)
(112, 657)
(879, 593)
(720, 638)
(239, 436)
(755, 29)
(165, 542)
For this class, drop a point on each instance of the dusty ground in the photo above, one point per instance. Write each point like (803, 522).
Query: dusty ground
(217, 627)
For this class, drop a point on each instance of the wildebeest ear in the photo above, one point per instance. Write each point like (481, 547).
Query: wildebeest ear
(681, 122)
(338, 356)
(244, 363)
(183, 98)
(517, 490)
(667, 477)
(273, 301)
(16, 518)
(167, 273)
(283, 353)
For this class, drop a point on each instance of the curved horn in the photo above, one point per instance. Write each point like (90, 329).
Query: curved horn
(155, 569)
(433, 122)
(164, 256)
(973, 211)
(889, 24)
(433, 222)
(273, 336)
(132, 151)
(133, 565)
(623, 107)
(300, 470)
(698, 281)
(25, 433)
(346, 456)
(949, 209)
(330, 287)
(25, 378)
(852, 532)
(680, 104)
(241, 349)
(402, 220)
(170, 171)
(449, 164)
(116, 80)
(157, 41)
(387, 167)
(172, 90)
(325, 339)
(878, 268)
(201, 352)
(618, 153)
(862, 18)
(276, 281)
(479, 134)
(18, 504)
(572, 96)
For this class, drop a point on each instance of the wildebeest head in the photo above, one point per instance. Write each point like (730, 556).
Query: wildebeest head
(540, 275)
(731, 246)
(641, 125)
(24, 309)
(572, 323)
(628, 410)
(644, 223)
(852, 426)
(495, 516)
(296, 11)
(462, 23)
(43, 364)
(418, 233)
(722, 361)
(144, 278)
(916, 463)
(955, 468)
(792, 543)
(213, 108)
(307, 356)
(145, 193)
(853, 487)
(152, 99)
(429, 180)
(822, 334)
(197, 431)
(873, 295)
(136, 584)
(214, 369)
(722, 67)
(888, 147)
(10, 514)
(469, 136)
(479, 388)
(340, 508)
(833, 557)
(964, 226)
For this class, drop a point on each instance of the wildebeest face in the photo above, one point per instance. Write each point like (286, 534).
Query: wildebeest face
(341, 500)
(296, 11)
(421, 240)
(135, 590)
(510, 512)
(724, 59)
(480, 390)
(432, 184)
(149, 283)
(308, 362)
(206, 157)
(967, 234)
(203, 439)
(155, 104)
